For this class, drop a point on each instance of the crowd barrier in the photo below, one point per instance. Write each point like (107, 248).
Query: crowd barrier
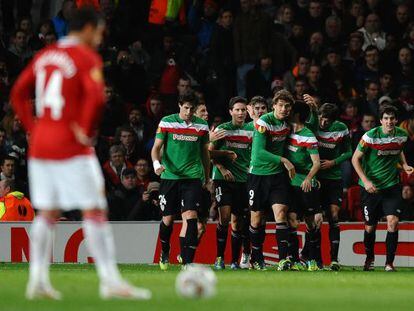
(137, 242)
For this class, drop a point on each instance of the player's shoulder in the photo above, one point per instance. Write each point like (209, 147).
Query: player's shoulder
(306, 131)
(399, 131)
(200, 121)
(266, 120)
(339, 126)
(225, 126)
(249, 126)
(170, 118)
(372, 133)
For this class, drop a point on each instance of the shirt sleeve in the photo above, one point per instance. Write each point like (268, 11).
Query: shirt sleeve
(363, 145)
(259, 139)
(161, 132)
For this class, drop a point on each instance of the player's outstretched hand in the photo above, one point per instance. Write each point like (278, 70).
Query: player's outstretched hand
(81, 137)
(250, 111)
(290, 167)
(327, 164)
(408, 169)
(215, 135)
(370, 187)
(159, 170)
(306, 185)
(231, 155)
(228, 176)
(310, 101)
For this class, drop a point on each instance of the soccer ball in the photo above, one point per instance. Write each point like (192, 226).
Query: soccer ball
(196, 281)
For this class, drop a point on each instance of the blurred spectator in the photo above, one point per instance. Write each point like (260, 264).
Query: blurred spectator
(251, 35)
(408, 125)
(45, 28)
(316, 47)
(354, 55)
(114, 114)
(222, 60)
(300, 70)
(8, 10)
(369, 103)
(3, 147)
(140, 125)
(114, 167)
(20, 49)
(387, 84)
(259, 79)
(369, 71)
(280, 49)
(408, 208)
(333, 32)
(14, 206)
(122, 200)
(399, 21)
(284, 20)
(155, 111)
(125, 136)
(301, 87)
(60, 21)
(139, 55)
(353, 18)
(368, 122)
(315, 20)
(404, 72)
(373, 34)
(298, 38)
(350, 116)
(7, 168)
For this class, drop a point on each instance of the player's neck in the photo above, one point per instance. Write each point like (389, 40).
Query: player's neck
(77, 36)
(388, 132)
(238, 124)
(188, 121)
(297, 127)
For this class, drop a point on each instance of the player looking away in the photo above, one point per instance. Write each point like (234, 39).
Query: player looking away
(230, 179)
(184, 163)
(64, 172)
(268, 183)
(376, 161)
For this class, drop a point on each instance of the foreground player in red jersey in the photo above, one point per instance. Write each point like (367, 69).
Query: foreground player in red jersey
(63, 169)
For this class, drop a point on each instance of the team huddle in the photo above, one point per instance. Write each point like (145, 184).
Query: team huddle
(287, 161)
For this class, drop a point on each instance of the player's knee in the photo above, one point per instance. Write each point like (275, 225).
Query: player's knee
(293, 221)
(235, 225)
(189, 214)
(392, 223)
(167, 220)
(369, 229)
(318, 219)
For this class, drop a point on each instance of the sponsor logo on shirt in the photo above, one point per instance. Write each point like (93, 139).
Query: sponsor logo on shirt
(236, 145)
(278, 138)
(185, 137)
(326, 145)
(388, 152)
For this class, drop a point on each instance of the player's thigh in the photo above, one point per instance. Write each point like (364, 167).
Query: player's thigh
(392, 201)
(258, 188)
(204, 210)
(42, 184)
(312, 204)
(223, 193)
(279, 189)
(240, 200)
(371, 207)
(169, 197)
(330, 193)
(191, 194)
(81, 183)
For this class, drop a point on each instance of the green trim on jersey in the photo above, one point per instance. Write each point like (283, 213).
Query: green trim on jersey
(299, 147)
(268, 145)
(183, 146)
(239, 140)
(334, 144)
(381, 156)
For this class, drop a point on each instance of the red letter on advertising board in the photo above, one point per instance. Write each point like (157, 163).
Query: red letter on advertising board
(19, 244)
(72, 247)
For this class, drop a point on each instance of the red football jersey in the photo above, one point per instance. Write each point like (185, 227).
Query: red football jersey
(67, 81)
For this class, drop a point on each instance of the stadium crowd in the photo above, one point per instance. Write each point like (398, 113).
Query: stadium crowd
(355, 54)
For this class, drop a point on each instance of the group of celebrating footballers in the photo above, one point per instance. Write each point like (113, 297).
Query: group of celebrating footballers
(287, 160)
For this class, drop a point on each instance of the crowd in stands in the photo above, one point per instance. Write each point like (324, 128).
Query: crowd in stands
(356, 54)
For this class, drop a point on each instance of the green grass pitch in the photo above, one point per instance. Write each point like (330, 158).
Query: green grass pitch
(349, 289)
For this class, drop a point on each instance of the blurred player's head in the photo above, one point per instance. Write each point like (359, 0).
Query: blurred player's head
(259, 105)
(327, 113)
(88, 25)
(238, 109)
(388, 118)
(300, 112)
(6, 186)
(201, 111)
(187, 104)
(282, 104)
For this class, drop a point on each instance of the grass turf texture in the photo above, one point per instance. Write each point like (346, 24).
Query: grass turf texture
(349, 289)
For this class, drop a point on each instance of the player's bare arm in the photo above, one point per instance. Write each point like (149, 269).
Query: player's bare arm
(356, 162)
(156, 156)
(316, 164)
(407, 168)
(289, 167)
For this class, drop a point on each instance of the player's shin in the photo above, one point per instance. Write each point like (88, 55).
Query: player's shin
(282, 238)
(191, 240)
(369, 242)
(257, 252)
(293, 244)
(165, 236)
(236, 243)
(221, 239)
(41, 237)
(391, 242)
(334, 238)
(101, 245)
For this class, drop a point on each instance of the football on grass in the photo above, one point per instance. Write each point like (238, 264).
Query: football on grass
(196, 281)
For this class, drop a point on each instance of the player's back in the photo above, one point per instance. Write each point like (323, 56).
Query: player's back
(67, 79)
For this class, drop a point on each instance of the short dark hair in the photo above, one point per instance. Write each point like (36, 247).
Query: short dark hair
(369, 114)
(188, 98)
(86, 15)
(283, 95)
(258, 100)
(236, 99)
(370, 48)
(388, 109)
(8, 182)
(302, 109)
(329, 111)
